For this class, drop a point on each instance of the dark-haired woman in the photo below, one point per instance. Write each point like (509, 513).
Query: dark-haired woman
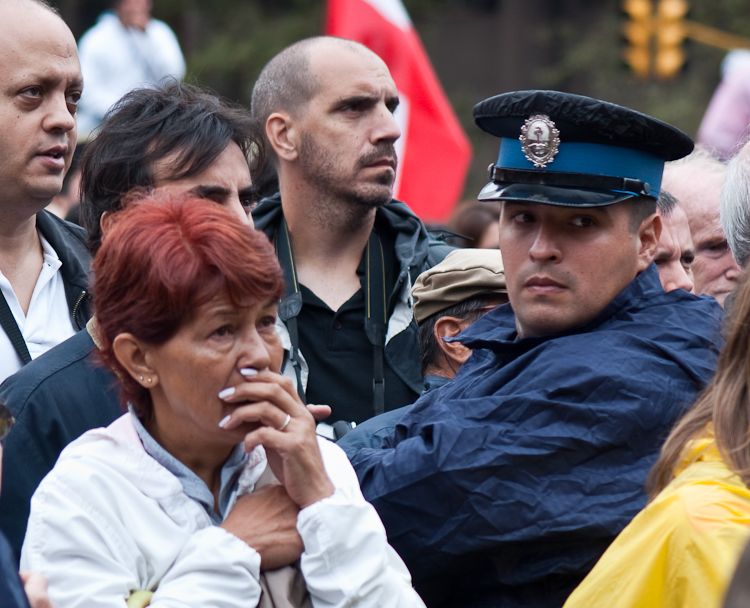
(681, 550)
(186, 302)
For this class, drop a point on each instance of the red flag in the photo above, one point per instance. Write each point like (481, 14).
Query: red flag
(433, 150)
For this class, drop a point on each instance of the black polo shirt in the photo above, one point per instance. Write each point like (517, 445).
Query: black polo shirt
(339, 354)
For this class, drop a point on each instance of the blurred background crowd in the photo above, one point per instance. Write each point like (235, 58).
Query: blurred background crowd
(662, 57)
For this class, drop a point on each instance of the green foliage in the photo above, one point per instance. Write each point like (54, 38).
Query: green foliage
(227, 45)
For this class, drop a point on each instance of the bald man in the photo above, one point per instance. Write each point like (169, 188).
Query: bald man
(43, 260)
(350, 252)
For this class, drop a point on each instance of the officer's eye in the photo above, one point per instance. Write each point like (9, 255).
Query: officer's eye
(583, 221)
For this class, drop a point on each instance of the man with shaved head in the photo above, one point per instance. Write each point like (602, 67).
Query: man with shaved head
(43, 260)
(350, 252)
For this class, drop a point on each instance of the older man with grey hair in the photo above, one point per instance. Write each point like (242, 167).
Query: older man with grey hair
(735, 206)
(696, 181)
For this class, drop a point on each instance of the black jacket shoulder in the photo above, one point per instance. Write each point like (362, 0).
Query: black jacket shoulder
(69, 242)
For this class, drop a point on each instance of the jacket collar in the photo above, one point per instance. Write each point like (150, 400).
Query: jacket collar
(70, 247)
(410, 235)
(499, 325)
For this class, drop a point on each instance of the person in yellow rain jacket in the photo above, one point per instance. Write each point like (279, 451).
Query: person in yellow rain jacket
(682, 549)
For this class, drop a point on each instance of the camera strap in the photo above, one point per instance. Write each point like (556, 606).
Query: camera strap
(10, 327)
(375, 309)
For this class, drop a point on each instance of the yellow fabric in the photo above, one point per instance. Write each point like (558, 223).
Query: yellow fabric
(139, 599)
(681, 550)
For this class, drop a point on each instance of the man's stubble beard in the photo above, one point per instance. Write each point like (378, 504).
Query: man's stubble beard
(321, 172)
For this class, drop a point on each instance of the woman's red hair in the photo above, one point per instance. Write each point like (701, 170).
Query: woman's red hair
(160, 259)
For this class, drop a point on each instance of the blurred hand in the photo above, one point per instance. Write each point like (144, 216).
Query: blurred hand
(35, 586)
(319, 412)
(286, 429)
(267, 521)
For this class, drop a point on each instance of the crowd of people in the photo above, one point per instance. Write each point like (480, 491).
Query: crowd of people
(253, 378)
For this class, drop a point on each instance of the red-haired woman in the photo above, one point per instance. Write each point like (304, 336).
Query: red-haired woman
(681, 550)
(186, 302)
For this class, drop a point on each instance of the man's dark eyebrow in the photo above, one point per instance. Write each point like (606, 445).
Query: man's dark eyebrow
(246, 191)
(355, 100)
(212, 192)
(688, 253)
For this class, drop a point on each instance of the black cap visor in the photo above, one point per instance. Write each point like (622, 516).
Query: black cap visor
(552, 195)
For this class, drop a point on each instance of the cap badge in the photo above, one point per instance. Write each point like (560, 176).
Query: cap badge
(540, 140)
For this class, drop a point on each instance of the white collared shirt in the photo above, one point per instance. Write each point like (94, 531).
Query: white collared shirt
(47, 321)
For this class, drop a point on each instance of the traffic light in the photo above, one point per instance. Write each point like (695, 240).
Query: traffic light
(637, 32)
(670, 35)
(655, 33)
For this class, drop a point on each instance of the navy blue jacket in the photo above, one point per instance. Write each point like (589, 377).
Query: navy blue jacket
(55, 399)
(373, 432)
(12, 594)
(506, 485)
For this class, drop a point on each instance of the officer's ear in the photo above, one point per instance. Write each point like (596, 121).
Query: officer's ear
(649, 233)
(283, 135)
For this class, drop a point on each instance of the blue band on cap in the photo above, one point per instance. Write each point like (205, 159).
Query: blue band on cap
(594, 159)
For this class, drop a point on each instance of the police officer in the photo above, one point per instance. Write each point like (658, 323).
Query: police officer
(505, 486)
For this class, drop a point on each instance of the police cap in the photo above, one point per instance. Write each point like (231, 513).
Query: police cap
(563, 149)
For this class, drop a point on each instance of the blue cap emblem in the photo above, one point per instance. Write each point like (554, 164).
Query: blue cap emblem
(540, 140)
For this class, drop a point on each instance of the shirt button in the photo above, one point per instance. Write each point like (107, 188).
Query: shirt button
(337, 325)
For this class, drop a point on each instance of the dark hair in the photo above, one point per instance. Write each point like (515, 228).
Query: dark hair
(470, 221)
(640, 208)
(468, 310)
(163, 257)
(148, 125)
(666, 203)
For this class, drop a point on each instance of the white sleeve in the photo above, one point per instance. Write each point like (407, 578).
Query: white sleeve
(92, 560)
(101, 88)
(211, 571)
(347, 559)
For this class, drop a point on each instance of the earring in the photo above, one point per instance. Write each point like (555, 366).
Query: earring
(140, 378)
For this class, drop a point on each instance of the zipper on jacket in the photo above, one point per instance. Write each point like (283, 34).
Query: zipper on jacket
(78, 304)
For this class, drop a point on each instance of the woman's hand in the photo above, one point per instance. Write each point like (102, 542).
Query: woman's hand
(287, 432)
(267, 521)
(35, 586)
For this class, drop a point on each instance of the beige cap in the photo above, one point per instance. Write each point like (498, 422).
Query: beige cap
(463, 274)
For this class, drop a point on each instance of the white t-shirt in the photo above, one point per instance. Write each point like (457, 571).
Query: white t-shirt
(47, 321)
